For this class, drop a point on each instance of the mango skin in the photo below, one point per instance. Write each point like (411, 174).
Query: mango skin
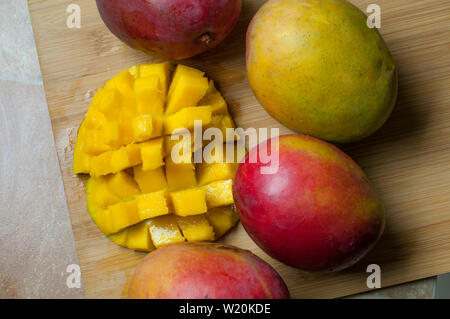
(316, 67)
(205, 271)
(170, 29)
(319, 212)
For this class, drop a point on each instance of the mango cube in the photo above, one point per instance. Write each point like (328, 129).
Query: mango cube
(94, 142)
(151, 180)
(134, 154)
(215, 99)
(196, 228)
(124, 214)
(185, 119)
(122, 185)
(187, 91)
(109, 103)
(101, 164)
(138, 237)
(219, 193)
(180, 175)
(125, 131)
(119, 160)
(111, 133)
(128, 109)
(152, 153)
(149, 96)
(180, 71)
(120, 238)
(208, 173)
(152, 204)
(222, 219)
(162, 70)
(94, 119)
(81, 160)
(190, 201)
(99, 195)
(124, 82)
(164, 230)
(142, 127)
(103, 221)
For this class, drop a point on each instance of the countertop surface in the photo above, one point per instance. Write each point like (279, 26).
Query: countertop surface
(36, 240)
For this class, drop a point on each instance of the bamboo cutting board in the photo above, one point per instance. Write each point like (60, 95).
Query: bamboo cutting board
(408, 159)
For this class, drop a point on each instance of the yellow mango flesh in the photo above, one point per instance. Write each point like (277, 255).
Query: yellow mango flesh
(150, 180)
(122, 185)
(183, 70)
(215, 99)
(137, 194)
(138, 237)
(187, 91)
(162, 70)
(222, 219)
(191, 201)
(152, 205)
(180, 175)
(219, 193)
(164, 230)
(152, 154)
(123, 214)
(185, 118)
(142, 127)
(196, 228)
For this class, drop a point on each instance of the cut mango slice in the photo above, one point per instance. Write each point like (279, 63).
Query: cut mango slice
(119, 161)
(123, 214)
(164, 230)
(181, 71)
(120, 238)
(152, 154)
(215, 99)
(162, 70)
(99, 194)
(122, 185)
(219, 193)
(222, 219)
(187, 91)
(180, 175)
(152, 205)
(134, 154)
(185, 119)
(150, 181)
(196, 228)
(208, 173)
(139, 195)
(138, 237)
(142, 127)
(190, 201)
(124, 82)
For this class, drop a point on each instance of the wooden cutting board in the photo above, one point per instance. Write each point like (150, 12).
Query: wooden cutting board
(408, 159)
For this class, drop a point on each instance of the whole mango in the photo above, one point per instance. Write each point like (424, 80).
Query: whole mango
(317, 67)
(205, 271)
(170, 29)
(318, 211)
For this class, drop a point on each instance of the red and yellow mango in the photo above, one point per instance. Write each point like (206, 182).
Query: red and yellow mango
(317, 67)
(317, 212)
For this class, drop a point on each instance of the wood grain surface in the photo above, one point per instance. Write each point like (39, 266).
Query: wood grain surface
(408, 159)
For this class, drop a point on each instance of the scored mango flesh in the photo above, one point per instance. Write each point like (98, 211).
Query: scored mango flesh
(137, 194)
